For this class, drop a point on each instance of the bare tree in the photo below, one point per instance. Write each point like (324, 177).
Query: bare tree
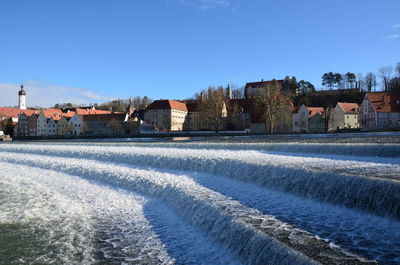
(212, 107)
(361, 82)
(370, 81)
(397, 69)
(270, 104)
(238, 92)
(385, 74)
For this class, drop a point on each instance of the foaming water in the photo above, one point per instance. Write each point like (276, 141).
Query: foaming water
(368, 186)
(255, 207)
(246, 232)
(39, 226)
(111, 221)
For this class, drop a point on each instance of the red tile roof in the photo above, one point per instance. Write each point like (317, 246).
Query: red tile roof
(14, 112)
(168, 104)
(312, 111)
(385, 101)
(81, 111)
(350, 108)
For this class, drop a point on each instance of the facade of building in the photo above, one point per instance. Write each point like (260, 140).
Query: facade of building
(104, 124)
(167, 115)
(77, 124)
(344, 116)
(316, 120)
(380, 110)
(300, 119)
(23, 125)
(33, 124)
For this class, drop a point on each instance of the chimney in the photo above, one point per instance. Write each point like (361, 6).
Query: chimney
(262, 79)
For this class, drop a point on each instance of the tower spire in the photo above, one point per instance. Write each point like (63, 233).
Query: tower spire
(22, 98)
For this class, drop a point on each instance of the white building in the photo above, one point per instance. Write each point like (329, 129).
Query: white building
(344, 115)
(300, 119)
(167, 115)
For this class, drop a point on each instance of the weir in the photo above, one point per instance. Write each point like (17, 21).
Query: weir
(377, 195)
(245, 232)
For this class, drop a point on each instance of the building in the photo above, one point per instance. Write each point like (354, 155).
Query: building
(22, 98)
(300, 119)
(46, 122)
(167, 115)
(195, 119)
(254, 89)
(104, 124)
(344, 116)
(316, 120)
(380, 110)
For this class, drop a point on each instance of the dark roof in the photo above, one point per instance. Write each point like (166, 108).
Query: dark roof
(104, 117)
(263, 83)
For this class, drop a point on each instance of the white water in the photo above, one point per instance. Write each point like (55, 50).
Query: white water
(240, 220)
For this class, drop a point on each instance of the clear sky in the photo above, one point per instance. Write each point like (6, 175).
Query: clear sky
(92, 50)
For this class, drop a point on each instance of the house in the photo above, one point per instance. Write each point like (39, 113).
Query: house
(380, 110)
(344, 116)
(32, 124)
(77, 124)
(195, 120)
(167, 115)
(300, 117)
(104, 124)
(64, 127)
(316, 120)
(46, 122)
(23, 125)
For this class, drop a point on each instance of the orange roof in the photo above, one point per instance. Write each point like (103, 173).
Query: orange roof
(385, 101)
(351, 108)
(14, 112)
(312, 111)
(168, 104)
(80, 111)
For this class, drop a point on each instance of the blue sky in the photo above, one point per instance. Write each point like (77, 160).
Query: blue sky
(95, 50)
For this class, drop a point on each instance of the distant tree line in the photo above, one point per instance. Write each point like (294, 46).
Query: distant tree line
(117, 105)
(389, 80)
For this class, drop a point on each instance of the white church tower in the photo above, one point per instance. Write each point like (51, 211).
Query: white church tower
(22, 98)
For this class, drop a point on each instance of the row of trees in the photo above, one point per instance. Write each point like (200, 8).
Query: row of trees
(117, 105)
(389, 78)
(331, 80)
